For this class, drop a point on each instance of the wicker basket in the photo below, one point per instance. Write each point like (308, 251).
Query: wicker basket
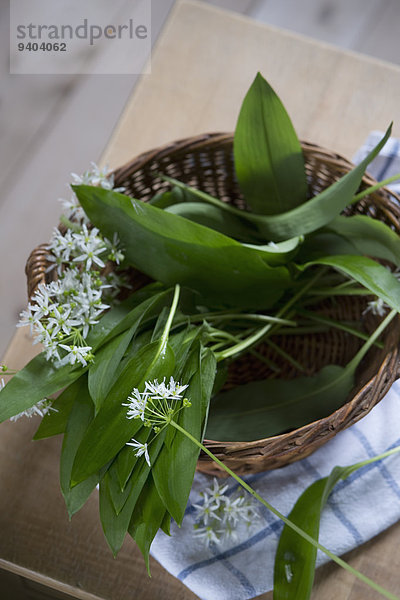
(206, 162)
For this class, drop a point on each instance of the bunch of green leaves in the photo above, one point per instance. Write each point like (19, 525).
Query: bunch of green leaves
(256, 259)
(246, 274)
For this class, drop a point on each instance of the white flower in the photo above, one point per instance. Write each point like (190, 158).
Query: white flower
(40, 409)
(222, 515)
(89, 245)
(60, 320)
(140, 449)
(207, 511)
(217, 491)
(28, 318)
(207, 534)
(234, 510)
(160, 391)
(114, 249)
(76, 354)
(377, 307)
(136, 405)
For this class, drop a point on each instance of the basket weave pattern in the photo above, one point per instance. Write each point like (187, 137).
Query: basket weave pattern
(206, 162)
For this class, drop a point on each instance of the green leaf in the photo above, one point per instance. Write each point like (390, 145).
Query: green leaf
(110, 429)
(124, 315)
(217, 219)
(177, 461)
(116, 509)
(136, 478)
(37, 380)
(314, 214)
(115, 526)
(149, 515)
(104, 369)
(107, 364)
(223, 270)
(373, 276)
(295, 557)
(368, 236)
(81, 415)
(262, 409)
(266, 149)
(277, 254)
(54, 423)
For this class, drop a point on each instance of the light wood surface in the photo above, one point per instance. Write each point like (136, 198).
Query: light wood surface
(201, 69)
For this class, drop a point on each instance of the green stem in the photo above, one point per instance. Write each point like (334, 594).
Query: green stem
(374, 188)
(337, 325)
(287, 522)
(175, 300)
(256, 337)
(365, 347)
(244, 317)
(286, 356)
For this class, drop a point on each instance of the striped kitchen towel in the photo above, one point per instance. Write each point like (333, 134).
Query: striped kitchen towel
(358, 509)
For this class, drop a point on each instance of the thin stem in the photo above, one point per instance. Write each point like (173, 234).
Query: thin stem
(365, 347)
(286, 356)
(374, 188)
(337, 325)
(287, 522)
(175, 300)
(243, 316)
(264, 330)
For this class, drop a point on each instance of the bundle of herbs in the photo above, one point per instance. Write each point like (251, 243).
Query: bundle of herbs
(143, 371)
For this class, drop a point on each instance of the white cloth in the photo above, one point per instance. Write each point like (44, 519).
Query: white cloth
(359, 508)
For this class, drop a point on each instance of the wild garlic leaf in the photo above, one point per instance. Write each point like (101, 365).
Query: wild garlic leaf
(266, 149)
(308, 217)
(55, 422)
(104, 369)
(368, 236)
(217, 219)
(370, 274)
(221, 269)
(261, 409)
(81, 415)
(110, 429)
(149, 515)
(37, 380)
(295, 557)
(116, 509)
(107, 364)
(177, 460)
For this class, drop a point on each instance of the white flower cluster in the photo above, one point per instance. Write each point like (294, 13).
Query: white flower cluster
(95, 176)
(156, 406)
(377, 307)
(61, 313)
(219, 515)
(40, 409)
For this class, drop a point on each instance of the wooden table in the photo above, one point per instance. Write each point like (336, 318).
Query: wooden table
(204, 62)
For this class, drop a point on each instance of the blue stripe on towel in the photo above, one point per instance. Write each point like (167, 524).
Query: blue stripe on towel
(275, 527)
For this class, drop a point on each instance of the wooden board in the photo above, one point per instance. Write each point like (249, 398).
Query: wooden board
(202, 66)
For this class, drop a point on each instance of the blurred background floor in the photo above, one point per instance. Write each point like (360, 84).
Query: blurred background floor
(51, 126)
